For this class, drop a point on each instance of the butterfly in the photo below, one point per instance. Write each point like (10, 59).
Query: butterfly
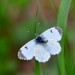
(43, 46)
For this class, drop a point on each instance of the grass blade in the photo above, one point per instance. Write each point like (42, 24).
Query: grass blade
(62, 22)
(37, 67)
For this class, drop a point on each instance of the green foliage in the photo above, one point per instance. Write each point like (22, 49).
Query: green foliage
(4, 19)
(62, 22)
(37, 68)
(8, 67)
(20, 3)
(22, 32)
(4, 47)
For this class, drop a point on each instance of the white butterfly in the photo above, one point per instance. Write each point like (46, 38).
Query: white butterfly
(43, 46)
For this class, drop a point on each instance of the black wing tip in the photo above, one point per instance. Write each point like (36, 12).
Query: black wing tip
(21, 56)
(59, 30)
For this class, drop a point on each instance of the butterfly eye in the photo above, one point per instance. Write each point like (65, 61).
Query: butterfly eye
(51, 31)
(26, 47)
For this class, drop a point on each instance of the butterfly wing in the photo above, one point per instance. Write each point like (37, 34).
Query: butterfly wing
(54, 33)
(27, 51)
(53, 47)
(41, 54)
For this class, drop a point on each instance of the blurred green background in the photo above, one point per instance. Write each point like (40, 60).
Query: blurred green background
(17, 25)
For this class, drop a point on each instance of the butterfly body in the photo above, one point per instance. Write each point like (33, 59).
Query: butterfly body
(43, 46)
(40, 40)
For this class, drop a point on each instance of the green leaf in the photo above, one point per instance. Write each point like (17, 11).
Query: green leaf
(62, 22)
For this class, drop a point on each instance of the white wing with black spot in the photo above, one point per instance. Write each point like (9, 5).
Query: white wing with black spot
(27, 51)
(54, 33)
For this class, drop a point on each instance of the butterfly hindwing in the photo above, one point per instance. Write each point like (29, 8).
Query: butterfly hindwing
(53, 47)
(27, 51)
(41, 54)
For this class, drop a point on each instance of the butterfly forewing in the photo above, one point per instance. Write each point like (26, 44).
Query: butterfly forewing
(54, 33)
(27, 51)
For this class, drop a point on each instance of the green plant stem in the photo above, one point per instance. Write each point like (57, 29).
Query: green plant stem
(68, 58)
(62, 22)
(37, 67)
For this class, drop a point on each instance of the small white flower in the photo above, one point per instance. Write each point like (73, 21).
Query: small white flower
(43, 46)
